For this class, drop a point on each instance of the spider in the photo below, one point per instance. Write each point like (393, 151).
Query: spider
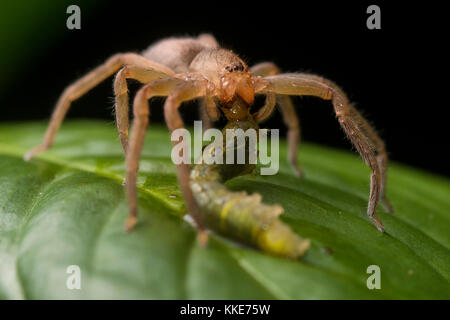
(183, 69)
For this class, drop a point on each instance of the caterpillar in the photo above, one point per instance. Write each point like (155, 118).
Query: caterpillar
(237, 215)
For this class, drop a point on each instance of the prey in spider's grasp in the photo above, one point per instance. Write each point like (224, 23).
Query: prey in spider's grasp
(183, 69)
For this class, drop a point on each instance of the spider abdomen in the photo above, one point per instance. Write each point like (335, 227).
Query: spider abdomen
(178, 53)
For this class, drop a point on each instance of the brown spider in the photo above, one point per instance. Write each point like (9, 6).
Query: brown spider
(183, 69)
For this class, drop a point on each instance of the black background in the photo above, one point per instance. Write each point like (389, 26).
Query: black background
(391, 74)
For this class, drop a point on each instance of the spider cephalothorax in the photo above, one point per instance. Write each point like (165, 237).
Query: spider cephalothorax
(226, 72)
(183, 69)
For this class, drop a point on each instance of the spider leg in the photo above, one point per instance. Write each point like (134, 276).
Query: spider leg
(185, 91)
(356, 128)
(141, 112)
(267, 109)
(204, 117)
(208, 108)
(288, 113)
(208, 111)
(83, 85)
(143, 75)
(382, 156)
(177, 91)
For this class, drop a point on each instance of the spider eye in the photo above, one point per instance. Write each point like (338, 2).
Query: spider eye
(237, 67)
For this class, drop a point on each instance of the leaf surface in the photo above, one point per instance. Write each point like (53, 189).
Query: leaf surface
(68, 207)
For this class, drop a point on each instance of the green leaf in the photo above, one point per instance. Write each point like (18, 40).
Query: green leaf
(67, 207)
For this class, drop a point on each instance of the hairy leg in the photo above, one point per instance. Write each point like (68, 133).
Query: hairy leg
(382, 156)
(143, 75)
(83, 85)
(141, 111)
(181, 91)
(185, 91)
(267, 109)
(288, 113)
(374, 140)
(351, 121)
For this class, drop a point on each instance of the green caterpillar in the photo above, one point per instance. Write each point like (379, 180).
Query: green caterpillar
(238, 215)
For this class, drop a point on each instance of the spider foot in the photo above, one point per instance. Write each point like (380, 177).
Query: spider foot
(202, 237)
(130, 223)
(377, 223)
(387, 205)
(202, 234)
(34, 152)
(298, 170)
